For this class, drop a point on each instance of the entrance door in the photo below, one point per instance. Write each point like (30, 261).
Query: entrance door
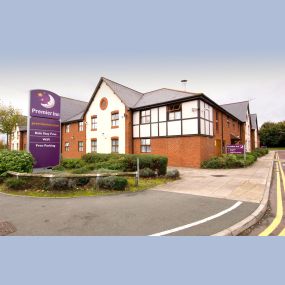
(218, 145)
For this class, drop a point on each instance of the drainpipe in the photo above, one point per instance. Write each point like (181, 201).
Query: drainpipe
(222, 132)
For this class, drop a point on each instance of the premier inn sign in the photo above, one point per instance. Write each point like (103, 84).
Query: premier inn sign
(44, 128)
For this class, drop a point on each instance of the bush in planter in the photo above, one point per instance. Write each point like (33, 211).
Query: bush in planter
(19, 161)
(3, 176)
(173, 174)
(71, 163)
(82, 170)
(16, 183)
(113, 183)
(58, 168)
(147, 172)
(60, 183)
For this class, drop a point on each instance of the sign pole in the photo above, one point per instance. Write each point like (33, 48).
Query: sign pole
(244, 152)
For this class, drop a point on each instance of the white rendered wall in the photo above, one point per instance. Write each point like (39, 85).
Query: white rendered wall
(159, 126)
(15, 143)
(104, 131)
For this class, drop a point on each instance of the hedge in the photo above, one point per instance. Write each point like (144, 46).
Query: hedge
(19, 161)
(113, 183)
(233, 160)
(127, 162)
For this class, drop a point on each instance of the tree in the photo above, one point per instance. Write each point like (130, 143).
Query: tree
(272, 134)
(10, 117)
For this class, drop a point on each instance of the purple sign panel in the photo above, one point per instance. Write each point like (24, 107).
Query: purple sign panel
(44, 128)
(44, 141)
(44, 104)
(235, 149)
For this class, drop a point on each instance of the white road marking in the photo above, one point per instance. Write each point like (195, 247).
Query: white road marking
(237, 204)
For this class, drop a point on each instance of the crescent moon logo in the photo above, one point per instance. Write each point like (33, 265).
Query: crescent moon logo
(50, 104)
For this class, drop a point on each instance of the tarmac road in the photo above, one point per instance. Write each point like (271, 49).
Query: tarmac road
(143, 213)
(273, 222)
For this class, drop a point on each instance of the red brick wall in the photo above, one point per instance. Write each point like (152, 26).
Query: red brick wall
(128, 131)
(181, 151)
(73, 137)
(191, 151)
(225, 130)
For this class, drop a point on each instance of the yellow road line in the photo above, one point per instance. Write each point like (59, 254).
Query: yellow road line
(283, 180)
(279, 211)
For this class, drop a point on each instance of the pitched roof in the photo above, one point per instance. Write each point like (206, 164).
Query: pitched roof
(71, 109)
(253, 118)
(238, 109)
(129, 96)
(163, 95)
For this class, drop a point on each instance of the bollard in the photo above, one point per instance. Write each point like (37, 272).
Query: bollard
(137, 177)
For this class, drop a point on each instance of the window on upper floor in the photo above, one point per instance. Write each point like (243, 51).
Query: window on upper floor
(67, 128)
(145, 145)
(145, 117)
(66, 146)
(81, 126)
(115, 145)
(115, 119)
(217, 121)
(94, 123)
(93, 145)
(228, 121)
(174, 112)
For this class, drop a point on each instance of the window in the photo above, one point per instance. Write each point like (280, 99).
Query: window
(115, 145)
(81, 126)
(94, 123)
(228, 121)
(145, 117)
(80, 146)
(66, 146)
(93, 145)
(145, 145)
(174, 112)
(67, 128)
(217, 121)
(115, 119)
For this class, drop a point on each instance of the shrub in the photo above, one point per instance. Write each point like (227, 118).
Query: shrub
(82, 181)
(173, 174)
(16, 183)
(230, 161)
(19, 161)
(60, 183)
(154, 162)
(147, 172)
(58, 168)
(3, 176)
(260, 151)
(71, 163)
(81, 170)
(113, 183)
(126, 162)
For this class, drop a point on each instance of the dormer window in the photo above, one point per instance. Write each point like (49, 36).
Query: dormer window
(174, 112)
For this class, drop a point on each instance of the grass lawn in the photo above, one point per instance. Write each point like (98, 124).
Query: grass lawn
(276, 148)
(145, 183)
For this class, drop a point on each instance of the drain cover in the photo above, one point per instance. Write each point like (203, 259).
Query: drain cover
(6, 228)
(219, 175)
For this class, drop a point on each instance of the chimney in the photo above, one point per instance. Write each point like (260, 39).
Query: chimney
(184, 84)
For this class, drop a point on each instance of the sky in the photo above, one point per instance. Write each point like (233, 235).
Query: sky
(229, 50)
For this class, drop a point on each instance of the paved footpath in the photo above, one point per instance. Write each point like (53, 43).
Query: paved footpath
(245, 184)
(203, 202)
